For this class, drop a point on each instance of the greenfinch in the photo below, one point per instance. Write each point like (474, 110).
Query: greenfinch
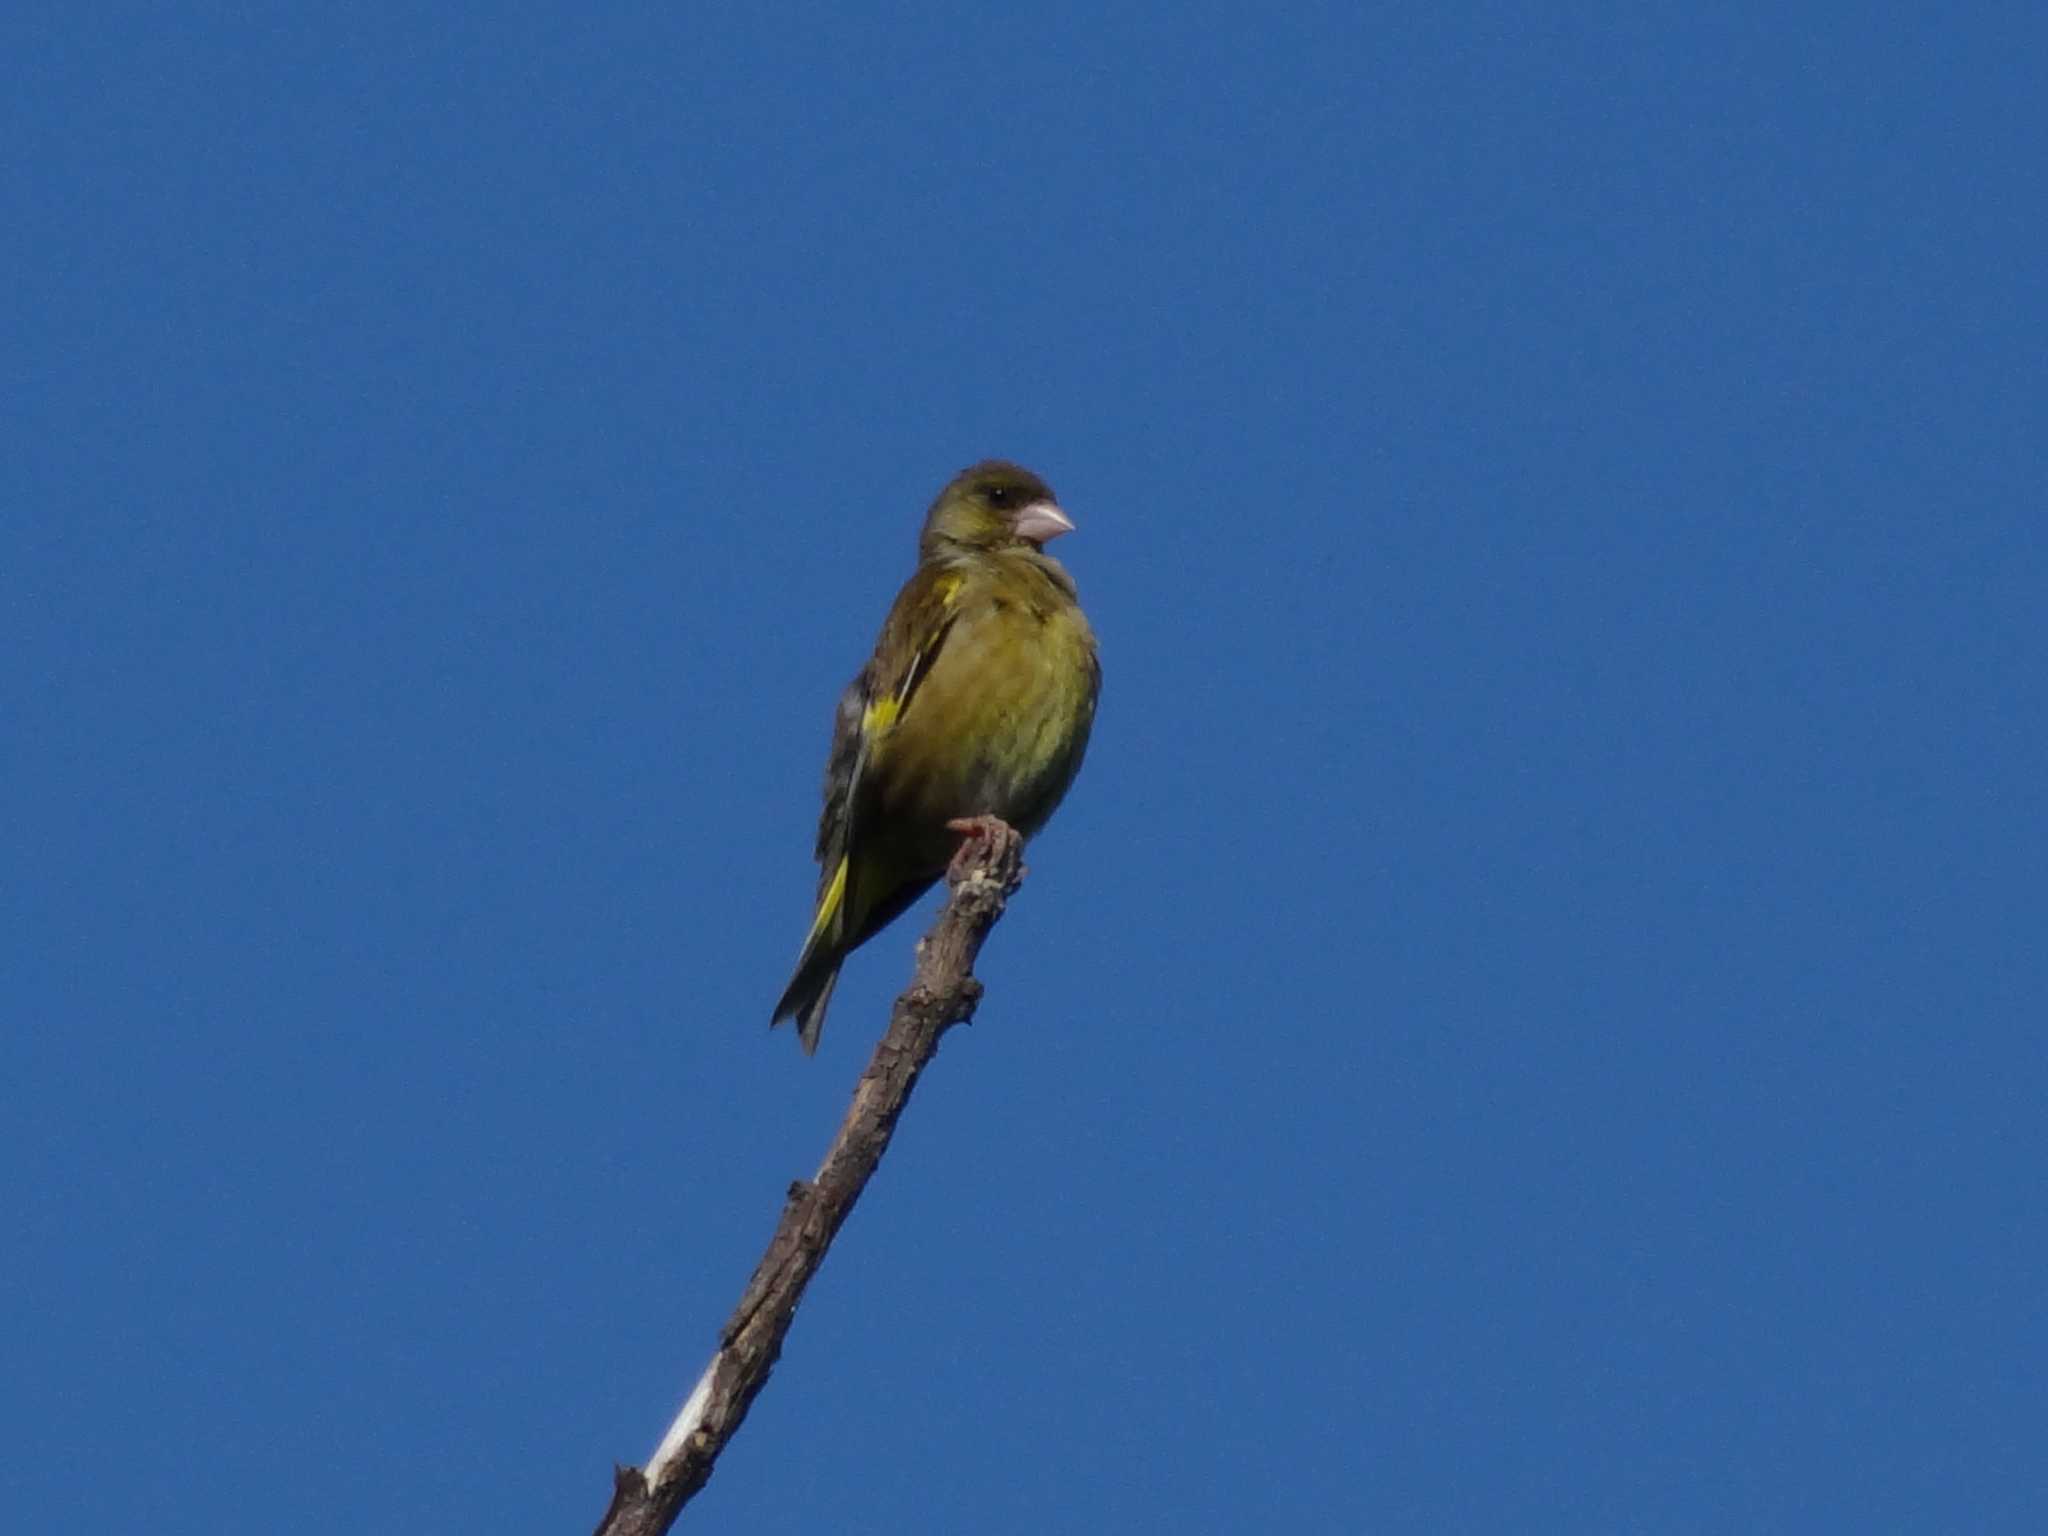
(977, 701)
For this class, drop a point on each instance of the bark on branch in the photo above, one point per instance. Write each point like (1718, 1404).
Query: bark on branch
(942, 993)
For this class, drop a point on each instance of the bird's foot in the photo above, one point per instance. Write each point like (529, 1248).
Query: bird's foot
(990, 843)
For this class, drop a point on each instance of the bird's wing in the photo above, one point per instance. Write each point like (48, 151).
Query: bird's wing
(874, 702)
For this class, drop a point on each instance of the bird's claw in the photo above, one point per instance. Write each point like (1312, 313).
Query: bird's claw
(986, 842)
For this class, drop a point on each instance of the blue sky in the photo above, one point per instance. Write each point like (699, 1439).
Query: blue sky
(1531, 1018)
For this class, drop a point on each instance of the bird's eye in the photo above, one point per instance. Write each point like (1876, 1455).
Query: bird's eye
(999, 495)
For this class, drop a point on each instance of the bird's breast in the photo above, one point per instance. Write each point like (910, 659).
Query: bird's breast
(997, 726)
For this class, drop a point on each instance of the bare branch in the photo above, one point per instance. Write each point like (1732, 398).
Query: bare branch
(942, 993)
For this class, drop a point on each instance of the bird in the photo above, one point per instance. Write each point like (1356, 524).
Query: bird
(978, 701)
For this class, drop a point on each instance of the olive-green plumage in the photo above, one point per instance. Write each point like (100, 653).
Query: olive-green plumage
(978, 701)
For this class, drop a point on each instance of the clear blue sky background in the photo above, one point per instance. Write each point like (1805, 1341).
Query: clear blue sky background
(1532, 1016)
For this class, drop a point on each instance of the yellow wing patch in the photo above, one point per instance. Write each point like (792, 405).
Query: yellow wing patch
(880, 715)
(829, 903)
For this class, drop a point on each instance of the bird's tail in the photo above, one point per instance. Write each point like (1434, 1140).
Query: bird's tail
(806, 997)
(817, 968)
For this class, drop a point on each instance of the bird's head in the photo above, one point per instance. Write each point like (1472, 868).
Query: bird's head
(994, 505)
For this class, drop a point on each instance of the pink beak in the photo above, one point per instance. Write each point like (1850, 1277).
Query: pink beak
(1042, 522)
